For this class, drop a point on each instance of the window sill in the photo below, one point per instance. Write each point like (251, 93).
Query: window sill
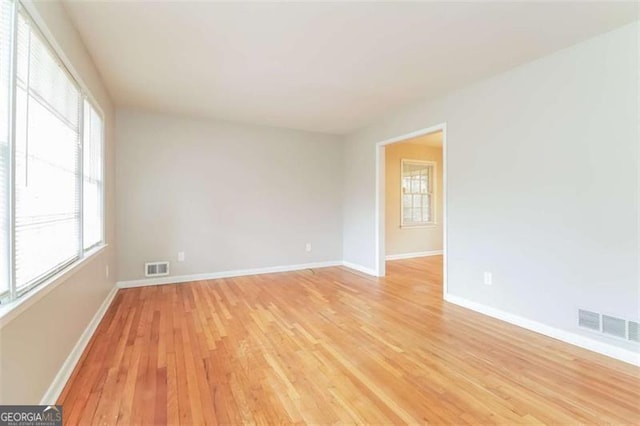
(14, 308)
(429, 225)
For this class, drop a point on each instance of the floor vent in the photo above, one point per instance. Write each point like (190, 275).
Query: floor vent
(588, 319)
(156, 269)
(634, 331)
(614, 326)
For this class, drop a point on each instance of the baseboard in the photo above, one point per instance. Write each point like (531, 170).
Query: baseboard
(359, 268)
(177, 279)
(55, 389)
(556, 333)
(413, 255)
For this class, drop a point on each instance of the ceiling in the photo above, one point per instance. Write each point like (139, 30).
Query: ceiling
(327, 67)
(432, 140)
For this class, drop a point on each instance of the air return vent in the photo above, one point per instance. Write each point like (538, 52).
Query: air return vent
(588, 319)
(614, 326)
(634, 331)
(611, 326)
(156, 269)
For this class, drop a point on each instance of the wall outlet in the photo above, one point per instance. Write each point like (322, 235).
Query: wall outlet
(180, 256)
(488, 278)
(106, 271)
(308, 248)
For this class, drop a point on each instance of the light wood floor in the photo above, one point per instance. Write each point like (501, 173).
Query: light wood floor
(331, 345)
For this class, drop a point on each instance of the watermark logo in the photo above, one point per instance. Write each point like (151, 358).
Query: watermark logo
(30, 415)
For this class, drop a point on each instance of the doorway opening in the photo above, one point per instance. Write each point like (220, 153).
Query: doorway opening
(411, 194)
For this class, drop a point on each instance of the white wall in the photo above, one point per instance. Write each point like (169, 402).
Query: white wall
(230, 196)
(543, 184)
(34, 345)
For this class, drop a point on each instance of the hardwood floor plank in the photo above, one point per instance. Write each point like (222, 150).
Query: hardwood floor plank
(333, 346)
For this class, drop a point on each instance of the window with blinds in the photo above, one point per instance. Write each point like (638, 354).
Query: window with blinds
(51, 163)
(6, 46)
(47, 198)
(418, 198)
(92, 178)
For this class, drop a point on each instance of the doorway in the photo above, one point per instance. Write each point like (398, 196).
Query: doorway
(411, 194)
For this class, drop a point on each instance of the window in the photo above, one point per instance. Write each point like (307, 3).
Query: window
(92, 178)
(418, 189)
(51, 180)
(5, 124)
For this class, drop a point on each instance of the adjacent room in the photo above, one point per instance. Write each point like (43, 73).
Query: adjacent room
(319, 212)
(414, 194)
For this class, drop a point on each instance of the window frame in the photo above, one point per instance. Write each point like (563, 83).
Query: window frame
(12, 298)
(433, 165)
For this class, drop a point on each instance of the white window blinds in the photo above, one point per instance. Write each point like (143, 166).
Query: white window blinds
(47, 161)
(92, 178)
(6, 46)
(51, 160)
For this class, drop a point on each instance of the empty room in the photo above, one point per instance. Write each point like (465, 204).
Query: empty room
(307, 212)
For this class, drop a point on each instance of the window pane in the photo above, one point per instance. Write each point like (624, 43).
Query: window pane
(406, 208)
(426, 208)
(417, 201)
(406, 201)
(417, 215)
(423, 184)
(46, 162)
(92, 177)
(6, 17)
(406, 183)
(415, 185)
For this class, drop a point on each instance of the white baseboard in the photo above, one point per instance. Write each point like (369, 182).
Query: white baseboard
(584, 342)
(359, 268)
(177, 279)
(412, 255)
(55, 389)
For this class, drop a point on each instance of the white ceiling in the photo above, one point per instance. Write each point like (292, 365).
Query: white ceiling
(328, 67)
(433, 140)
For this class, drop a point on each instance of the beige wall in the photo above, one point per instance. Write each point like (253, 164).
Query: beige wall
(34, 345)
(400, 240)
(231, 197)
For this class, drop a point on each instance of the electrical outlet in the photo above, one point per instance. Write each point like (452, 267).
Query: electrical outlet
(488, 278)
(180, 256)
(106, 271)
(308, 248)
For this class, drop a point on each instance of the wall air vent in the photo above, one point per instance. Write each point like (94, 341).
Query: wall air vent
(634, 331)
(614, 326)
(588, 319)
(611, 326)
(156, 269)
